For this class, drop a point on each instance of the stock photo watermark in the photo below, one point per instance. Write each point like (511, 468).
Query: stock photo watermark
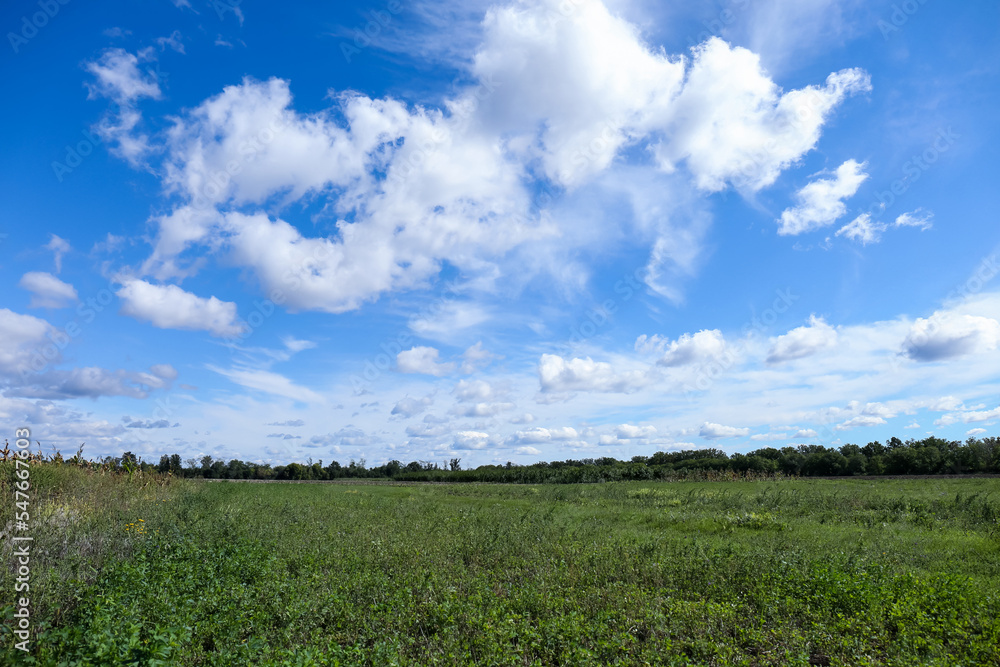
(365, 34)
(899, 17)
(32, 23)
(75, 154)
(21, 540)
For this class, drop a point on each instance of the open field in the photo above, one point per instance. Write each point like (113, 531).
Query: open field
(839, 572)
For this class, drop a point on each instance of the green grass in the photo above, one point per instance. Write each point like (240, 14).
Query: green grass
(847, 572)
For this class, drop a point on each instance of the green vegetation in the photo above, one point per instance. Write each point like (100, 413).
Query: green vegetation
(930, 456)
(140, 569)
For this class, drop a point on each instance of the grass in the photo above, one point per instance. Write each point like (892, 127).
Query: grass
(800, 572)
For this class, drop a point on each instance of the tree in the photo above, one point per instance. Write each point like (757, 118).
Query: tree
(455, 464)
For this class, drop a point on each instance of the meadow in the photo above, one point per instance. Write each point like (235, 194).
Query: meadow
(149, 570)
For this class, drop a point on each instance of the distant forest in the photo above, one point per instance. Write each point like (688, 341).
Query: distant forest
(930, 456)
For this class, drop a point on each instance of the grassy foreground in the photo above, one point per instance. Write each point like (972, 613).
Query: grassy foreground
(803, 572)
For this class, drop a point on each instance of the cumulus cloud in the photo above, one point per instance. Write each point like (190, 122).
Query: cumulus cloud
(632, 432)
(481, 409)
(349, 437)
(541, 435)
(802, 341)
(733, 124)
(170, 307)
(859, 421)
(689, 349)
(87, 382)
(558, 375)
(946, 335)
(476, 357)
(712, 431)
(416, 188)
(528, 451)
(471, 440)
(968, 417)
(23, 336)
(821, 202)
(410, 407)
(422, 360)
(473, 390)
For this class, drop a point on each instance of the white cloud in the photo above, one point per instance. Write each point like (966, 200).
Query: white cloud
(295, 345)
(47, 291)
(787, 33)
(855, 422)
(118, 78)
(968, 417)
(821, 202)
(865, 231)
(269, 382)
(946, 335)
(975, 432)
(481, 409)
(422, 360)
(410, 407)
(632, 432)
(24, 337)
(802, 341)
(862, 230)
(919, 218)
(59, 247)
(768, 437)
(88, 382)
(541, 435)
(170, 307)
(805, 433)
(576, 85)
(711, 431)
(529, 451)
(473, 390)
(450, 319)
(425, 187)
(164, 371)
(733, 124)
(559, 375)
(471, 440)
(475, 358)
(689, 349)
(172, 41)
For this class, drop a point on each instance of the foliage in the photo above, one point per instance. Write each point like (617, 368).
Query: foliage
(788, 572)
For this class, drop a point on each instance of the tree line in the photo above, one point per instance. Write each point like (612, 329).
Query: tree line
(929, 456)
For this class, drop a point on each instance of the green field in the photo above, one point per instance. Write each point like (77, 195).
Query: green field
(848, 572)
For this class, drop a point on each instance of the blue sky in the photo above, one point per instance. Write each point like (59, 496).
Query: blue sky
(506, 232)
